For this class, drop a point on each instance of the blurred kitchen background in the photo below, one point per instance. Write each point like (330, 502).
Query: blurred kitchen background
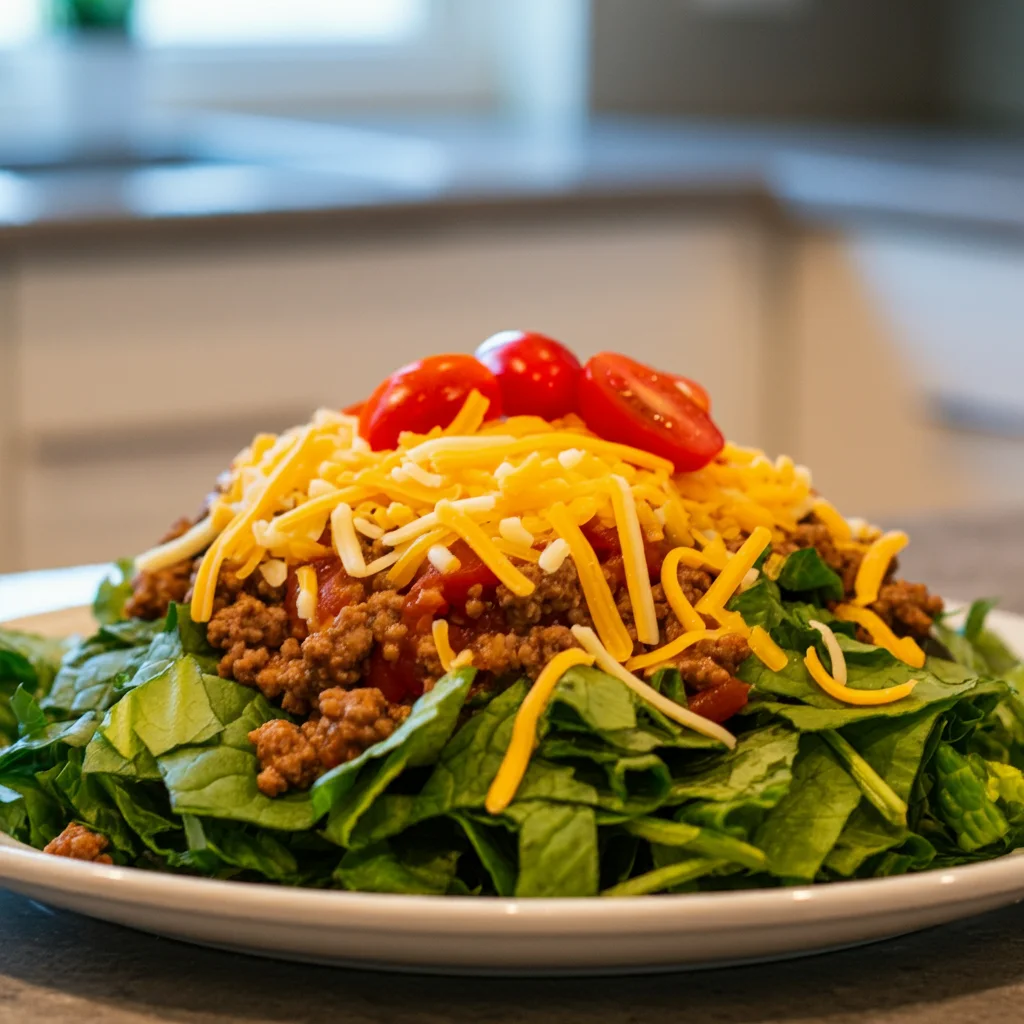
(215, 216)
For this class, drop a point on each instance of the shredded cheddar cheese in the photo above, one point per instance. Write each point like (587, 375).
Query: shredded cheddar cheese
(513, 766)
(439, 630)
(767, 650)
(684, 611)
(610, 627)
(847, 694)
(671, 649)
(834, 522)
(876, 564)
(735, 569)
(904, 648)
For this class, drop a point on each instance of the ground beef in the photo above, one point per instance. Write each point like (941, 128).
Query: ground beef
(262, 649)
(506, 653)
(346, 723)
(694, 583)
(79, 843)
(710, 663)
(812, 534)
(908, 608)
(154, 592)
(558, 593)
(336, 655)
(351, 721)
(287, 758)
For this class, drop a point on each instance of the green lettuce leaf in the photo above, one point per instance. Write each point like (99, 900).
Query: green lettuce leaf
(804, 571)
(113, 593)
(804, 826)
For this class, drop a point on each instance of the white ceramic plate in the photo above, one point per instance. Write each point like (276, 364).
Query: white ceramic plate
(468, 935)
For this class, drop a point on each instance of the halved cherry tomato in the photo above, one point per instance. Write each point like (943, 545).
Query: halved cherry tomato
(720, 702)
(538, 376)
(623, 400)
(423, 395)
(694, 391)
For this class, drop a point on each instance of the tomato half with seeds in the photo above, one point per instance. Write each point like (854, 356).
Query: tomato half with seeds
(425, 394)
(538, 375)
(693, 391)
(623, 400)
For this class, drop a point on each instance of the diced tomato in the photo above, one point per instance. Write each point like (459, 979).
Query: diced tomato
(604, 539)
(422, 605)
(538, 376)
(423, 395)
(336, 589)
(397, 680)
(720, 702)
(623, 400)
(605, 542)
(455, 586)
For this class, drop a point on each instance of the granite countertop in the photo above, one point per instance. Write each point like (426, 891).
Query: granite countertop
(60, 967)
(219, 171)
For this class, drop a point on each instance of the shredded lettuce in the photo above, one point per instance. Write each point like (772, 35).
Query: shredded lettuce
(132, 733)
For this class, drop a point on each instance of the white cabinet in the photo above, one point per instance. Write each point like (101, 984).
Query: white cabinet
(140, 373)
(885, 323)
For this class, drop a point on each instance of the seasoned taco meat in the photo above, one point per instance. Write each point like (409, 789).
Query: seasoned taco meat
(80, 843)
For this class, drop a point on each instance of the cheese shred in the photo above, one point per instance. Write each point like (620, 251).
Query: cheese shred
(848, 695)
(513, 766)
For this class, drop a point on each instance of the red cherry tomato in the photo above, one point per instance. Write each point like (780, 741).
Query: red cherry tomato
(720, 702)
(697, 394)
(423, 395)
(538, 376)
(354, 409)
(623, 400)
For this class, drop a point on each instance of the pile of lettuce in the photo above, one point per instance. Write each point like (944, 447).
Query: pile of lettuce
(132, 733)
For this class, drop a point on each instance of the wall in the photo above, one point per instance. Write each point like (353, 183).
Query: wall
(805, 59)
(985, 75)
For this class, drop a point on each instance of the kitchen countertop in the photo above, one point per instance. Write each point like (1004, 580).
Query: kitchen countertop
(259, 172)
(60, 967)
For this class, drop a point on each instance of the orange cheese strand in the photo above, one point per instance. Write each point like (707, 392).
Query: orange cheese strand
(513, 766)
(471, 532)
(610, 627)
(631, 542)
(671, 649)
(677, 600)
(875, 565)
(470, 417)
(279, 482)
(834, 522)
(905, 648)
(439, 630)
(767, 650)
(736, 568)
(848, 695)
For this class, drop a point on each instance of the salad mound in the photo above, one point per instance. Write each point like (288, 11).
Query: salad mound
(515, 626)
